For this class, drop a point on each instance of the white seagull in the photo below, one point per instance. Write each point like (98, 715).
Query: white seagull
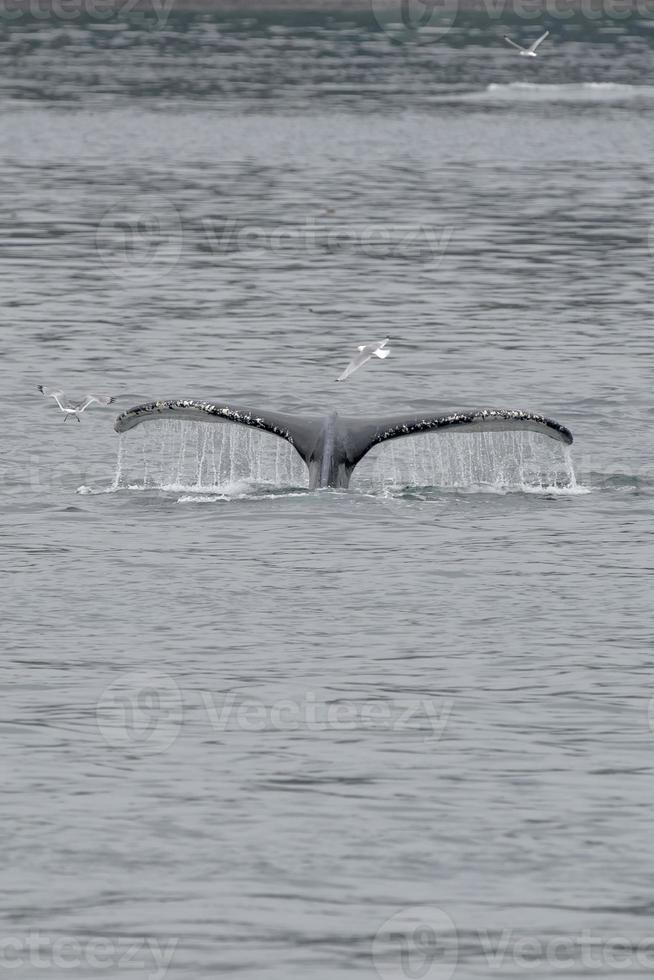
(366, 351)
(74, 408)
(529, 52)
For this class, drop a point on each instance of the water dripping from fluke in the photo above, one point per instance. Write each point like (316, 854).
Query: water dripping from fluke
(476, 462)
(209, 463)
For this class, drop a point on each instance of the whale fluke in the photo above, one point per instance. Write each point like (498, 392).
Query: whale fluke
(331, 446)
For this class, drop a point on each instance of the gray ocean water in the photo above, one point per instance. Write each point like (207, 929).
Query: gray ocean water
(402, 731)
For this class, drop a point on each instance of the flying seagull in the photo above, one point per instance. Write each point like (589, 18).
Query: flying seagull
(74, 408)
(529, 52)
(365, 352)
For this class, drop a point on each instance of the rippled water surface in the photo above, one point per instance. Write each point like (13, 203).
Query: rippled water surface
(397, 731)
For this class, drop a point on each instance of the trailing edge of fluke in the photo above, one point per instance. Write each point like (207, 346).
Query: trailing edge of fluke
(332, 445)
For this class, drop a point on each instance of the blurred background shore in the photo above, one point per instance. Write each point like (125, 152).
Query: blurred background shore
(412, 13)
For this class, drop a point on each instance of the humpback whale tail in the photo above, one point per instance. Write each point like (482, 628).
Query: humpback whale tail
(332, 446)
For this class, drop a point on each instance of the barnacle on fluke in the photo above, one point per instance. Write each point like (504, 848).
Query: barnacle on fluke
(189, 408)
(331, 446)
(485, 419)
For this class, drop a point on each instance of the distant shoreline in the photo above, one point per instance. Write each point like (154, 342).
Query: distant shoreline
(527, 9)
(494, 10)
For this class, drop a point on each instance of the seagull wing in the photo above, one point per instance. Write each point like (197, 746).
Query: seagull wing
(539, 41)
(51, 393)
(382, 350)
(358, 361)
(98, 399)
(513, 44)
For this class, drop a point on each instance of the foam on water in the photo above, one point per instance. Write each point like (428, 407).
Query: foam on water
(562, 92)
(227, 462)
(244, 494)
